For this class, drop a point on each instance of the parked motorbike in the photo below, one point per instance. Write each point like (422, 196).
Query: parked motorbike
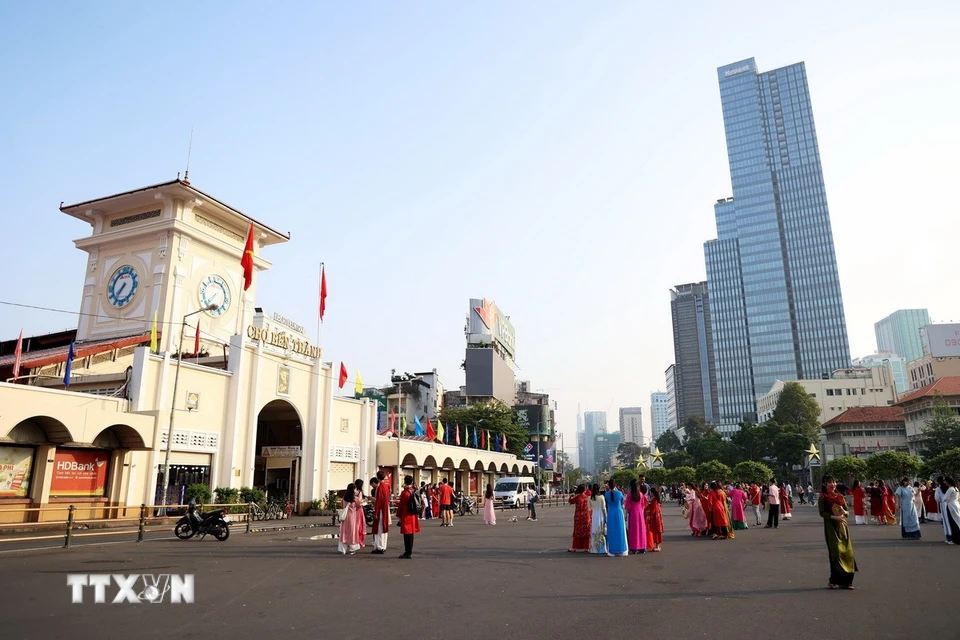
(368, 514)
(212, 522)
(463, 505)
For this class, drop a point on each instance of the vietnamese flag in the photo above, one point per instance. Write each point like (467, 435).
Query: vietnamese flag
(483, 439)
(323, 290)
(343, 375)
(431, 435)
(247, 261)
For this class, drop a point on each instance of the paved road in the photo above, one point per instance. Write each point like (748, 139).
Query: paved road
(513, 580)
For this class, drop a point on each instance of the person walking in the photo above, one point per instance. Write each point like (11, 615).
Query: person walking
(409, 518)
(786, 512)
(755, 501)
(598, 521)
(918, 503)
(381, 512)
(362, 520)
(738, 500)
(833, 509)
(719, 525)
(909, 521)
(349, 542)
(532, 499)
(859, 509)
(616, 525)
(489, 506)
(951, 510)
(773, 506)
(581, 520)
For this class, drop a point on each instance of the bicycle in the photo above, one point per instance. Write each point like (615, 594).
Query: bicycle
(257, 512)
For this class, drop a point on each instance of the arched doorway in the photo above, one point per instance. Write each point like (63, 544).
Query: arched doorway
(19, 451)
(278, 451)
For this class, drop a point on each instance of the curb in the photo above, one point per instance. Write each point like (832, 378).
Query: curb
(289, 527)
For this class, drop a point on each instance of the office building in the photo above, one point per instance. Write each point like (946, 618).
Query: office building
(658, 413)
(775, 302)
(897, 364)
(594, 423)
(605, 449)
(695, 382)
(844, 389)
(918, 407)
(631, 425)
(899, 332)
(671, 376)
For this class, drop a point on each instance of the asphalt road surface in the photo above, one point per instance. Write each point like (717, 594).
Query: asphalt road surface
(514, 580)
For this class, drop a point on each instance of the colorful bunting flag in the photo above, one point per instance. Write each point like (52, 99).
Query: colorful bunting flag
(475, 438)
(418, 431)
(358, 388)
(457, 431)
(18, 356)
(68, 367)
(343, 375)
(431, 434)
(154, 346)
(441, 432)
(196, 341)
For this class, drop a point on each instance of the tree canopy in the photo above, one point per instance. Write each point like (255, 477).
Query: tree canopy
(713, 470)
(668, 442)
(628, 453)
(942, 432)
(891, 466)
(846, 469)
(945, 464)
(495, 417)
(682, 475)
(797, 407)
(751, 471)
(697, 427)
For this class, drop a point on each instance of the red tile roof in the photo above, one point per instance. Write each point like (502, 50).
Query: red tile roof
(43, 357)
(865, 415)
(946, 386)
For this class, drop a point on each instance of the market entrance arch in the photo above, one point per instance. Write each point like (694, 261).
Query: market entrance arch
(279, 448)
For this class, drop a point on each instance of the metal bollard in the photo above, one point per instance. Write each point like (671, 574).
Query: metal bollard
(143, 522)
(249, 515)
(69, 534)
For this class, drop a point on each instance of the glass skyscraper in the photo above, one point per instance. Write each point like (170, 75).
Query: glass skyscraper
(899, 332)
(775, 296)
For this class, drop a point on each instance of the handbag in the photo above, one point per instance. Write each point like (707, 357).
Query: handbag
(342, 514)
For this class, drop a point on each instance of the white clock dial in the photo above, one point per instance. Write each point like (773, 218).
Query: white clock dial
(123, 286)
(215, 291)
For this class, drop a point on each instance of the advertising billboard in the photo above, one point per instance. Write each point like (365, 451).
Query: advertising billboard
(80, 473)
(535, 418)
(487, 324)
(943, 340)
(16, 465)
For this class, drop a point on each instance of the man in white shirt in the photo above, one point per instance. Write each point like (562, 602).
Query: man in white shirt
(532, 499)
(773, 506)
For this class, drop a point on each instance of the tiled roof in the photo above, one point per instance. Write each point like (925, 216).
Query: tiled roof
(947, 386)
(865, 415)
(43, 357)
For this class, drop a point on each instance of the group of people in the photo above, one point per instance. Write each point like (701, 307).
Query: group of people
(437, 502)
(909, 505)
(617, 522)
(353, 524)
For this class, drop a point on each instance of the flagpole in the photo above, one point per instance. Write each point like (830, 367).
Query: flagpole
(319, 302)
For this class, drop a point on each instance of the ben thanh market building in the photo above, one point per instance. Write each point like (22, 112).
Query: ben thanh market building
(254, 405)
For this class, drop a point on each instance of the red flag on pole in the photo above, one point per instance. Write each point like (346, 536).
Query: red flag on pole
(431, 434)
(196, 341)
(343, 375)
(18, 356)
(247, 260)
(457, 441)
(483, 439)
(323, 290)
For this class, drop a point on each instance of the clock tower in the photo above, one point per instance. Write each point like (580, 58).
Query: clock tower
(166, 250)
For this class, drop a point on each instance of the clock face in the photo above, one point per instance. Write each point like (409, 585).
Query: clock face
(123, 286)
(214, 290)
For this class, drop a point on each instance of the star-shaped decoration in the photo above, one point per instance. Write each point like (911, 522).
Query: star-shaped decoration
(813, 452)
(657, 456)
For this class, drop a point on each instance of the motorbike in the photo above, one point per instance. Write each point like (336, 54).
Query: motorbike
(212, 522)
(368, 514)
(463, 505)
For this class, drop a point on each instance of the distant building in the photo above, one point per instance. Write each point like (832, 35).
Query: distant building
(594, 424)
(695, 382)
(659, 413)
(489, 358)
(605, 449)
(631, 425)
(897, 364)
(671, 377)
(917, 408)
(926, 370)
(846, 388)
(899, 332)
(422, 396)
(941, 355)
(862, 431)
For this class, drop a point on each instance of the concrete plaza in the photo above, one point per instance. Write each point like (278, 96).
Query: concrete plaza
(514, 580)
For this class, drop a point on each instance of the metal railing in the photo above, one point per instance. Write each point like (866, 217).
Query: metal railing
(145, 523)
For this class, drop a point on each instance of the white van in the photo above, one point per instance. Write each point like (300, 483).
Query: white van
(512, 492)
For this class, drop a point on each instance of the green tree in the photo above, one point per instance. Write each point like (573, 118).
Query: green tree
(754, 441)
(668, 442)
(713, 470)
(622, 477)
(942, 432)
(676, 459)
(657, 476)
(752, 471)
(697, 427)
(797, 407)
(846, 468)
(628, 453)
(790, 444)
(495, 417)
(891, 466)
(574, 477)
(945, 464)
(682, 475)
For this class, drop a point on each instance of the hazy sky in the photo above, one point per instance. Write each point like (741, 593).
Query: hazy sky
(561, 158)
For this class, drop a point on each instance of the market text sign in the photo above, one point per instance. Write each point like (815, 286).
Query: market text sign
(80, 473)
(280, 452)
(283, 340)
(15, 466)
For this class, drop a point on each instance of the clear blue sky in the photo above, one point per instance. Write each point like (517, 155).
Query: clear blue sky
(561, 158)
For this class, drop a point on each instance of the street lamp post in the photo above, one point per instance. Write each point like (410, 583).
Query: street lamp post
(173, 405)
